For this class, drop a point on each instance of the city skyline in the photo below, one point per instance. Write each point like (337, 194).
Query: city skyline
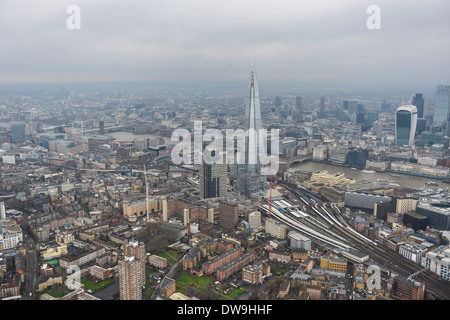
(141, 160)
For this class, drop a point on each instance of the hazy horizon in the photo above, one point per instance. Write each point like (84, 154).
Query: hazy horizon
(315, 44)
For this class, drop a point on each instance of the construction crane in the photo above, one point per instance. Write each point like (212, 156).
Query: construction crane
(146, 188)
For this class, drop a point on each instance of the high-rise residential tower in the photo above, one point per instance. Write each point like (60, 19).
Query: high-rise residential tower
(132, 271)
(441, 105)
(405, 125)
(130, 278)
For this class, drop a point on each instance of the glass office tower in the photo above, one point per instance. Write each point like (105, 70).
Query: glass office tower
(441, 105)
(418, 101)
(405, 125)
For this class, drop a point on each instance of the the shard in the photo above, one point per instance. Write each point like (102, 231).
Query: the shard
(250, 182)
(253, 124)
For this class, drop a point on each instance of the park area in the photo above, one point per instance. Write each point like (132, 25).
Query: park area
(95, 286)
(203, 286)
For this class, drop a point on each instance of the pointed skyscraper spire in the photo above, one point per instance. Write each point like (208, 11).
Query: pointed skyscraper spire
(253, 121)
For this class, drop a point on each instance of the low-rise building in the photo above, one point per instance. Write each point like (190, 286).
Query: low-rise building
(99, 272)
(67, 262)
(167, 287)
(252, 274)
(280, 256)
(48, 282)
(157, 261)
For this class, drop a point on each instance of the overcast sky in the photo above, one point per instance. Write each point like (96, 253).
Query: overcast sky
(305, 41)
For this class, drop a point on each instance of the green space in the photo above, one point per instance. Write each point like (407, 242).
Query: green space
(201, 281)
(53, 262)
(95, 286)
(203, 284)
(54, 291)
(176, 254)
(235, 293)
(169, 258)
(281, 271)
(148, 294)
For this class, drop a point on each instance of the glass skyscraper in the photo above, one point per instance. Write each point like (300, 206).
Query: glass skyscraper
(249, 179)
(441, 105)
(405, 125)
(18, 133)
(418, 101)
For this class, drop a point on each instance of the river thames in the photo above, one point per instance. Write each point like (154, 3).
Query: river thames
(404, 180)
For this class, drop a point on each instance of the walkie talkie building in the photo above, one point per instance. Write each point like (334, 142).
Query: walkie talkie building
(405, 125)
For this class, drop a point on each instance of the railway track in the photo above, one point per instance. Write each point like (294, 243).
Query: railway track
(379, 253)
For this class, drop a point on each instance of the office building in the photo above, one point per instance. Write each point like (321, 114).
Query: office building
(298, 103)
(405, 205)
(10, 234)
(441, 105)
(438, 213)
(438, 261)
(418, 101)
(421, 126)
(18, 133)
(351, 106)
(275, 229)
(322, 104)
(254, 219)
(382, 209)
(277, 102)
(334, 264)
(415, 221)
(407, 289)
(213, 178)
(228, 214)
(405, 125)
(412, 251)
(2, 210)
(299, 241)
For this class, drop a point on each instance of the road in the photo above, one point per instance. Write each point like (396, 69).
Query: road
(31, 268)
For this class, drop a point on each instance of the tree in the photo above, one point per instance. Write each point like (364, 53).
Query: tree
(271, 286)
